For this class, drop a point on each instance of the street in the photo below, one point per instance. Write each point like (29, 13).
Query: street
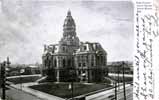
(15, 94)
(129, 94)
(18, 94)
(109, 95)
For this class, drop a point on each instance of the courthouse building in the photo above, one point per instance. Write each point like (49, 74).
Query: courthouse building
(72, 59)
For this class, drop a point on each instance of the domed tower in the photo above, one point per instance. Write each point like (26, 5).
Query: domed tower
(69, 27)
(69, 33)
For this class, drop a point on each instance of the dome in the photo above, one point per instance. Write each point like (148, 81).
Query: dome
(69, 21)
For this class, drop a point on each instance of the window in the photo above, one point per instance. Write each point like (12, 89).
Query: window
(55, 62)
(79, 64)
(78, 57)
(69, 62)
(92, 64)
(92, 58)
(84, 64)
(63, 48)
(64, 63)
(101, 59)
(79, 72)
(85, 47)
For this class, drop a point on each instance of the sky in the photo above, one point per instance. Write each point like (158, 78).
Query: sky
(27, 25)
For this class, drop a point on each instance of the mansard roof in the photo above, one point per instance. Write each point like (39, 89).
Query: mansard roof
(89, 47)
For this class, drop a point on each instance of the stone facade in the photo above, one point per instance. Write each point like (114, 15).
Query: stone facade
(72, 60)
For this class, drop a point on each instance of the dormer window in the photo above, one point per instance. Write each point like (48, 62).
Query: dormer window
(85, 48)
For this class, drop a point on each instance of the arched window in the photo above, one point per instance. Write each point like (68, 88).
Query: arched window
(63, 48)
(101, 59)
(63, 62)
(55, 63)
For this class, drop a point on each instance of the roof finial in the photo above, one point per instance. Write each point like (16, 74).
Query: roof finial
(69, 13)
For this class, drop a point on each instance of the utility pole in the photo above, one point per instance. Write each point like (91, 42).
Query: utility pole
(116, 71)
(3, 74)
(115, 90)
(8, 62)
(20, 78)
(71, 73)
(118, 79)
(72, 89)
(124, 81)
(3, 80)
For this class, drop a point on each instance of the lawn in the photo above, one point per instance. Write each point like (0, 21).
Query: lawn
(62, 89)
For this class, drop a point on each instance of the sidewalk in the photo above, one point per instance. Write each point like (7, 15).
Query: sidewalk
(38, 94)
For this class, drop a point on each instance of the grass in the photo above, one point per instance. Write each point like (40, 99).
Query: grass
(61, 89)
